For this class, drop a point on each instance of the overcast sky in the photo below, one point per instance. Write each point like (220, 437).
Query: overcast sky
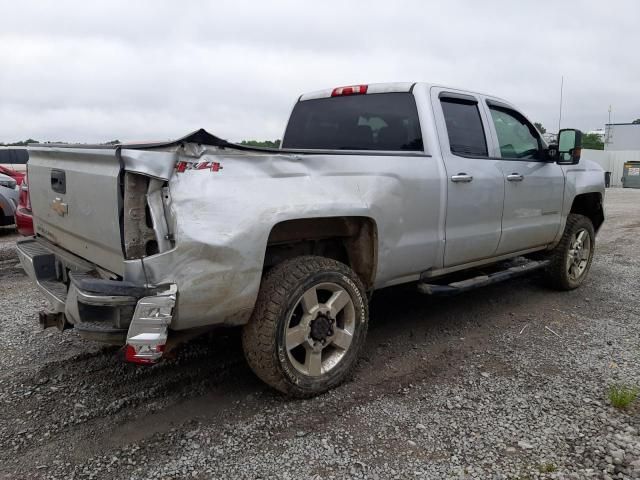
(134, 70)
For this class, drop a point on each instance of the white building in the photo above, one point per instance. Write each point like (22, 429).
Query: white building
(621, 144)
(622, 136)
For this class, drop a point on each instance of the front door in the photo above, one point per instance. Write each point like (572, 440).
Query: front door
(534, 187)
(475, 182)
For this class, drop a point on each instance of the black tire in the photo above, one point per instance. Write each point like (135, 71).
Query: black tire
(281, 292)
(557, 274)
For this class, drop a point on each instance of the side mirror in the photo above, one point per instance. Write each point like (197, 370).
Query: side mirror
(569, 146)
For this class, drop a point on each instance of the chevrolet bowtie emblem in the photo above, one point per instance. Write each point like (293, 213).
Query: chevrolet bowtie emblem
(59, 207)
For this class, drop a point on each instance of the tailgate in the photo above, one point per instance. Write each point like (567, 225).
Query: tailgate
(76, 201)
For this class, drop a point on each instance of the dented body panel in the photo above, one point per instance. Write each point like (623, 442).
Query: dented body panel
(221, 221)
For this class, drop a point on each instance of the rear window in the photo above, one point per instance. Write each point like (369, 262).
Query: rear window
(14, 156)
(382, 121)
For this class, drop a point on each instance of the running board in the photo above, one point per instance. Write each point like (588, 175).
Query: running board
(482, 280)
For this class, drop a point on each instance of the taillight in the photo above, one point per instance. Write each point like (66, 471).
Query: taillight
(143, 354)
(350, 90)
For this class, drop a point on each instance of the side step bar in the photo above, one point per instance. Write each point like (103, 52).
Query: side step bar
(482, 280)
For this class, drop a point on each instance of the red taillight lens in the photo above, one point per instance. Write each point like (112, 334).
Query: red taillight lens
(350, 90)
(148, 356)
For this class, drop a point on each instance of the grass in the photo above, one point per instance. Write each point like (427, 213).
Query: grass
(547, 467)
(621, 396)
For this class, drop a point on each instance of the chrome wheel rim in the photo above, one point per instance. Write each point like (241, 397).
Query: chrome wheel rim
(579, 252)
(320, 329)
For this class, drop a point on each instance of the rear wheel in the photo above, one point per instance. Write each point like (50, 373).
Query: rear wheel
(308, 326)
(571, 258)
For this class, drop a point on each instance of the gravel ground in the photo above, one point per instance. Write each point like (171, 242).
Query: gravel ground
(509, 381)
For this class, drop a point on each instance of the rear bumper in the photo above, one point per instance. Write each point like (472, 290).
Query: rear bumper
(110, 311)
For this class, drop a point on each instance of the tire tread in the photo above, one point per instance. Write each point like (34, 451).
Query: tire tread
(555, 273)
(258, 336)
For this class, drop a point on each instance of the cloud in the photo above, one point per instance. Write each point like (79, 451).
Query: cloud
(94, 71)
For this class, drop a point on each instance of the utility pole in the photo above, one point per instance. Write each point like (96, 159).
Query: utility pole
(607, 129)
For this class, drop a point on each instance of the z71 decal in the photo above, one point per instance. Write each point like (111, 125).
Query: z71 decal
(213, 166)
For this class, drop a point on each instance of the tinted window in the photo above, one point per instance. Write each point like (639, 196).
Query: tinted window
(516, 136)
(383, 121)
(14, 156)
(464, 127)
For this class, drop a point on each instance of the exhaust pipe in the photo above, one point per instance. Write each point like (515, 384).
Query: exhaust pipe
(47, 319)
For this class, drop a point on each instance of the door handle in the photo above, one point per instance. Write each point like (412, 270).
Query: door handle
(515, 177)
(461, 178)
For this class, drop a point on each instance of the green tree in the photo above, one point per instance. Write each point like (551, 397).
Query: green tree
(592, 141)
(540, 128)
(23, 143)
(261, 143)
(636, 121)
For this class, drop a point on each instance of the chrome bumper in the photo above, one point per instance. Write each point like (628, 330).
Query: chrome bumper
(110, 311)
(39, 264)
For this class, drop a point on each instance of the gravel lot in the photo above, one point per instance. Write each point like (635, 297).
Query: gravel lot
(509, 381)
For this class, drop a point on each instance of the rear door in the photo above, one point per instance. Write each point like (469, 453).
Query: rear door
(475, 182)
(534, 187)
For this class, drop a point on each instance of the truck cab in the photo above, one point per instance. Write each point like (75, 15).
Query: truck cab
(501, 188)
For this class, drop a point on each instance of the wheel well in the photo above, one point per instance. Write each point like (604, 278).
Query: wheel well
(589, 205)
(350, 240)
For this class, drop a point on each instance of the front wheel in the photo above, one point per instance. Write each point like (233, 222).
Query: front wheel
(571, 258)
(308, 326)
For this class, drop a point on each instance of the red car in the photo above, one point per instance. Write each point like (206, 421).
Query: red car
(13, 162)
(15, 174)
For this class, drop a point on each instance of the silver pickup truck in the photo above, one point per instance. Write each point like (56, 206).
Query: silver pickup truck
(375, 185)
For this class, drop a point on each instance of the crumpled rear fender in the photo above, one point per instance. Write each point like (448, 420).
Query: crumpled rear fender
(221, 218)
